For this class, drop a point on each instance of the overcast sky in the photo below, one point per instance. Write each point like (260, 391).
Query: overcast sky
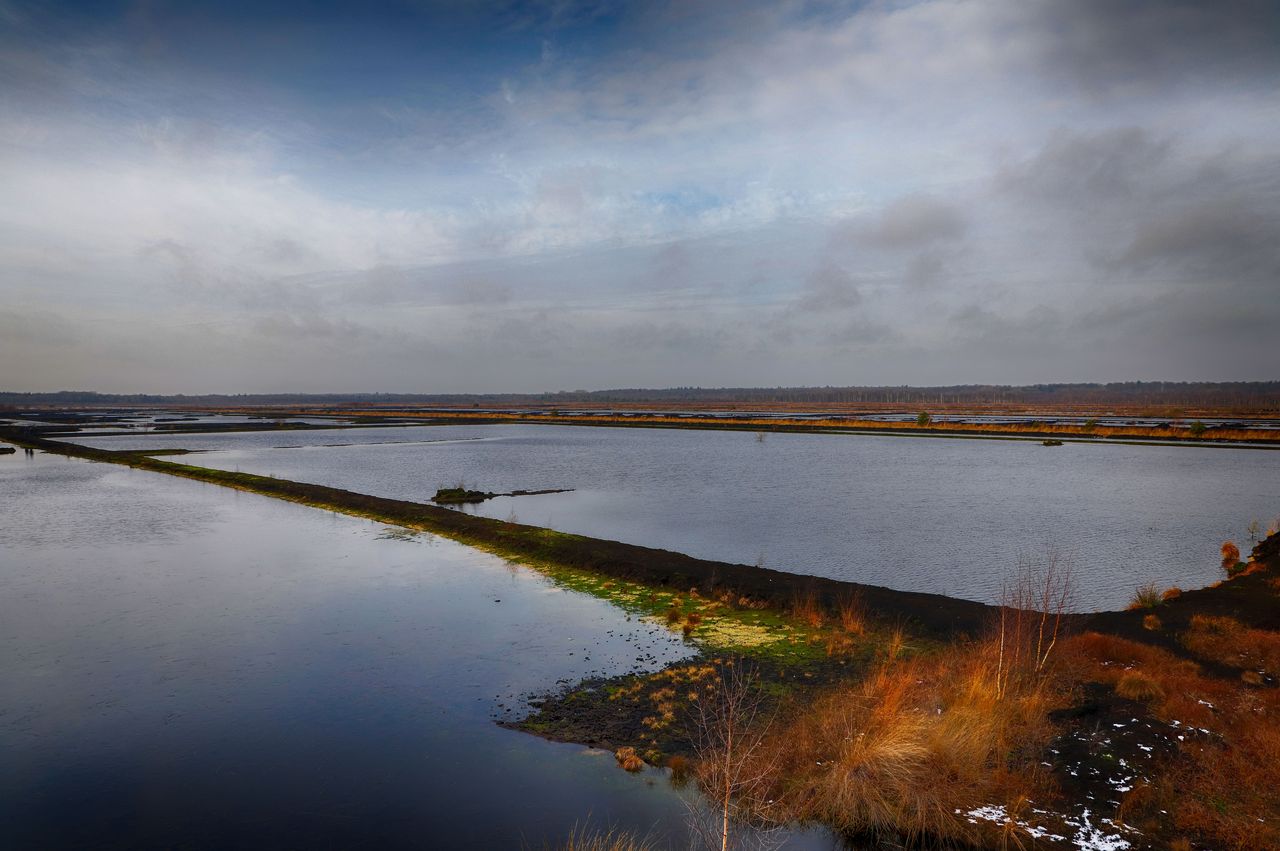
(450, 196)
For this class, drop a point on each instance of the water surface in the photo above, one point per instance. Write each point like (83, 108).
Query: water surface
(951, 516)
(185, 665)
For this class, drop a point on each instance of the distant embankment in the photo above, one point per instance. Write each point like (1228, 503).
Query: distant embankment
(1034, 430)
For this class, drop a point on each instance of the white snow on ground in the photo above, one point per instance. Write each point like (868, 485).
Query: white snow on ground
(1088, 836)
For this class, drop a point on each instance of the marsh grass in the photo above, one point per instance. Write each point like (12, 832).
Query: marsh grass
(807, 608)
(1228, 774)
(900, 752)
(1146, 597)
(585, 839)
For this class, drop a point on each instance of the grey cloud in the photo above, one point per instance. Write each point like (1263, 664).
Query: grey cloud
(41, 329)
(1113, 165)
(1139, 208)
(1219, 239)
(910, 222)
(829, 287)
(1118, 45)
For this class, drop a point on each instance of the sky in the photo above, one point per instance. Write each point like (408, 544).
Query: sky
(447, 196)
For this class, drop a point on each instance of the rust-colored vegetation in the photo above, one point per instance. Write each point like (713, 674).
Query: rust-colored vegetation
(1176, 431)
(628, 759)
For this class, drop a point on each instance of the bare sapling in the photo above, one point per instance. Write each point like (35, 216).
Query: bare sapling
(1033, 606)
(729, 725)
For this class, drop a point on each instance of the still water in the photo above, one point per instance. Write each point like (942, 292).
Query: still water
(949, 516)
(185, 665)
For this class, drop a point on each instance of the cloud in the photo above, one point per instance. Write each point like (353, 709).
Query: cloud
(915, 221)
(587, 194)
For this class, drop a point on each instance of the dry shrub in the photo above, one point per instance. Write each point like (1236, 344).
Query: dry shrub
(679, 766)
(1171, 593)
(1251, 567)
(628, 759)
(1136, 685)
(918, 740)
(1230, 557)
(1151, 622)
(807, 608)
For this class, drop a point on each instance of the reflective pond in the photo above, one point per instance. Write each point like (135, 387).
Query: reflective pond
(951, 516)
(185, 665)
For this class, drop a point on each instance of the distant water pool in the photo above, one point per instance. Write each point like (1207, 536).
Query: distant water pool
(951, 516)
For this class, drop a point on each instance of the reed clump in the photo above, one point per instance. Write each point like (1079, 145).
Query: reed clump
(919, 739)
(1136, 685)
(629, 759)
(585, 839)
(1146, 597)
(807, 608)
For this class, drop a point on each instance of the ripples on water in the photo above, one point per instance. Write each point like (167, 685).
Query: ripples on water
(950, 516)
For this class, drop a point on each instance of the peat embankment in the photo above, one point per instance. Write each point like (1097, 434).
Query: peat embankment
(928, 614)
(1249, 598)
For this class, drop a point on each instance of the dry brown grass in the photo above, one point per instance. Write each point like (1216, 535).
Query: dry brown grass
(1152, 623)
(1171, 593)
(585, 839)
(1227, 641)
(1109, 659)
(628, 759)
(1230, 788)
(1224, 786)
(852, 612)
(1146, 597)
(807, 609)
(901, 751)
(1136, 685)
(774, 423)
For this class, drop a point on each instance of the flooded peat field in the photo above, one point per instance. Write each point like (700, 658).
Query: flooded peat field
(945, 515)
(186, 665)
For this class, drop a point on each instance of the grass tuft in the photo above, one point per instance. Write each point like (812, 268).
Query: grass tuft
(1146, 597)
(1135, 685)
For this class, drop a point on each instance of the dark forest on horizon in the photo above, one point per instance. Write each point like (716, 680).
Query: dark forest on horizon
(1251, 395)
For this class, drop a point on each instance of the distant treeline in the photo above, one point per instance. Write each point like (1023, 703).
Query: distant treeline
(1233, 394)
